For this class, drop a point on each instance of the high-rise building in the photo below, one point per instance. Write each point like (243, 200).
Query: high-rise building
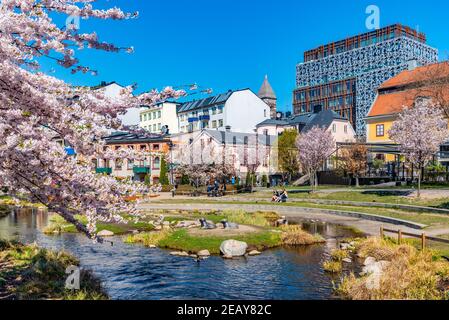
(266, 93)
(344, 76)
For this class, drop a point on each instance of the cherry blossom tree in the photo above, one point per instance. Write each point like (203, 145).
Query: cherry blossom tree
(315, 147)
(419, 132)
(203, 161)
(35, 107)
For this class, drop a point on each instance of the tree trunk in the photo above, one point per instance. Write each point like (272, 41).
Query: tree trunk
(357, 183)
(419, 182)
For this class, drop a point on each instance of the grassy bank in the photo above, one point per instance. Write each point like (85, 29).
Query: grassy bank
(28, 272)
(410, 275)
(265, 237)
(58, 225)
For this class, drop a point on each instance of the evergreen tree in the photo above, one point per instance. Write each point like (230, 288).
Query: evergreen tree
(163, 179)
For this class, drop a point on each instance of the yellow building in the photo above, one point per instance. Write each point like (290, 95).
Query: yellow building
(401, 92)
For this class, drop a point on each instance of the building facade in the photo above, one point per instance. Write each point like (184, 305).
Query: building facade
(427, 82)
(246, 152)
(160, 118)
(156, 146)
(238, 111)
(340, 128)
(343, 76)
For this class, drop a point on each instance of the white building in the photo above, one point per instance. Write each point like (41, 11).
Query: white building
(162, 115)
(239, 111)
(244, 151)
(340, 128)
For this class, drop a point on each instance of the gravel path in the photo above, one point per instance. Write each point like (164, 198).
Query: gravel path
(366, 226)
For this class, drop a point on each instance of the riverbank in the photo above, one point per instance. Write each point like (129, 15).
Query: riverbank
(28, 272)
(396, 272)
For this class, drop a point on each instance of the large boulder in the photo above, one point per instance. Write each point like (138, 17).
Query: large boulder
(233, 248)
(203, 253)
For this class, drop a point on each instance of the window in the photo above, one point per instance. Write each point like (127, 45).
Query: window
(334, 128)
(156, 163)
(149, 116)
(214, 124)
(265, 132)
(159, 126)
(154, 127)
(214, 111)
(130, 164)
(220, 123)
(155, 147)
(380, 130)
(346, 129)
(265, 113)
(159, 114)
(118, 164)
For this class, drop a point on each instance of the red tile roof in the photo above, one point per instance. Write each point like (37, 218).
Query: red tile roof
(409, 85)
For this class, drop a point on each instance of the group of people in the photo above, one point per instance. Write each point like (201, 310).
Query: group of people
(280, 196)
(216, 190)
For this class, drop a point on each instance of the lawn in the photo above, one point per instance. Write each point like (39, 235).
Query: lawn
(423, 218)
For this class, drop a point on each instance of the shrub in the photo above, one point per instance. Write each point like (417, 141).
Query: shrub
(332, 266)
(411, 275)
(294, 235)
(339, 255)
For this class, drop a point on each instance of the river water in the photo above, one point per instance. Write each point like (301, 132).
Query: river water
(136, 272)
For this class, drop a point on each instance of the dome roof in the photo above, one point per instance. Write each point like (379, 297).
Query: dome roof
(266, 91)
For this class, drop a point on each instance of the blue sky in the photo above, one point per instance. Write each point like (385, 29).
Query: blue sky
(232, 44)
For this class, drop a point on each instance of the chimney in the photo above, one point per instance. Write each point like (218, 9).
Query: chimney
(412, 65)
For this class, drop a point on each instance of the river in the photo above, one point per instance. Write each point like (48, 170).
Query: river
(139, 273)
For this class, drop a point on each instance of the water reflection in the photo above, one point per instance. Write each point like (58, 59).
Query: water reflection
(135, 272)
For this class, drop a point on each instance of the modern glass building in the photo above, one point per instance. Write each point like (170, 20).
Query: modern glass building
(344, 76)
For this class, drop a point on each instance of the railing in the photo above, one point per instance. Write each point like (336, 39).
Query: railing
(424, 238)
(141, 169)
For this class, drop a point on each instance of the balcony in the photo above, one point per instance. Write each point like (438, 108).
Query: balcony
(138, 170)
(107, 171)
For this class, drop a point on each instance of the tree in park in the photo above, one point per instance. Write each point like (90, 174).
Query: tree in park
(315, 147)
(163, 178)
(34, 108)
(353, 160)
(202, 163)
(288, 153)
(419, 132)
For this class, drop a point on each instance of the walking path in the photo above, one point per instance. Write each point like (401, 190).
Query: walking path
(367, 226)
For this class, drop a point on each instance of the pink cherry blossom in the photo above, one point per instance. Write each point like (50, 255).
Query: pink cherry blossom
(38, 111)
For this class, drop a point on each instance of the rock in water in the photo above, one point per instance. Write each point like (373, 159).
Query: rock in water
(203, 253)
(233, 248)
(254, 253)
(369, 261)
(105, 233)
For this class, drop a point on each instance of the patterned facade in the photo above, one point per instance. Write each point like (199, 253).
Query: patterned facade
(359, 65)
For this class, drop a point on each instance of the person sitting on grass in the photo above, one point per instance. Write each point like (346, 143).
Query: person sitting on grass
(284, 196)
(275, 197)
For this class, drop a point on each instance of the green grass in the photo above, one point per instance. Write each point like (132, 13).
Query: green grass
(423, 218)
(59, 225)
(29, 273)
(181, 240)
